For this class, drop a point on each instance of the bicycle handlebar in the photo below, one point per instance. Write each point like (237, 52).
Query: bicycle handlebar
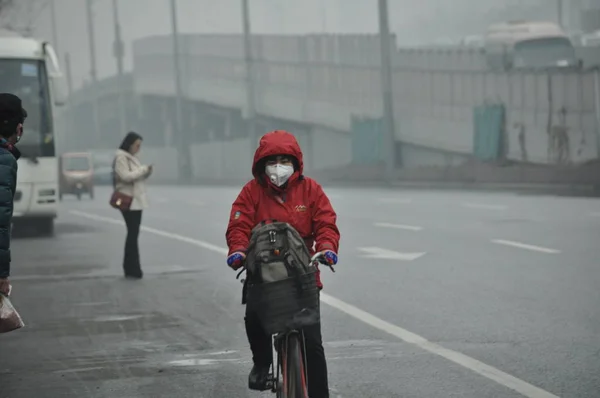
(317, 258)
(320, 258)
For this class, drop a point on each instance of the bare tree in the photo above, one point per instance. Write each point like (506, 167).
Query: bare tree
(5, 5)
(21, 16)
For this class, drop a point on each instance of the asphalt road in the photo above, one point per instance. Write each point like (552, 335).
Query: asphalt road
(437, 294)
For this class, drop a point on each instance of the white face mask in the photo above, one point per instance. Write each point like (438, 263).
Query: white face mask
(279, 173)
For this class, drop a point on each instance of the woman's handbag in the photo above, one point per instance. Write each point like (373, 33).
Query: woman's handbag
(119, 200)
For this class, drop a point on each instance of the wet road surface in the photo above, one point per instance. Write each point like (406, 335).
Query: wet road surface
(437, 294)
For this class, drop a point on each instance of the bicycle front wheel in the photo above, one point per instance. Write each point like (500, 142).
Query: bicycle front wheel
(294, 372)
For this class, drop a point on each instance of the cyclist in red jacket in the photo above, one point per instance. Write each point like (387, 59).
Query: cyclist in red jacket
(279, 191)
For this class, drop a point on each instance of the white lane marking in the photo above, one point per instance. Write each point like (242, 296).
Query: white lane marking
(79, 370)
(117, 318)
(484, 206)
(394, 200)
(525, 246)
(500, 377)
(397, 226)
(222, 352)
(204, 245)
(204, 361)
(166, 269)
(384, 254)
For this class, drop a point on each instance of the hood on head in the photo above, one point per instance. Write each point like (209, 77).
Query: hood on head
(278, 142)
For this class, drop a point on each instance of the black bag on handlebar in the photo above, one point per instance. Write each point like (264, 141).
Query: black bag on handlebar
(281, 285)
(276, 251)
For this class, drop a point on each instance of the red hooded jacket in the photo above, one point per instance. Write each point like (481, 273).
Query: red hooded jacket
(301, 203)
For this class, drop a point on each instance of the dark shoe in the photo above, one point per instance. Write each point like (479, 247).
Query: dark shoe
(134, 275)
(257, 380)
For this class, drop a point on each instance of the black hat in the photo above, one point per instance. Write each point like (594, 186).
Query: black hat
(11, 109)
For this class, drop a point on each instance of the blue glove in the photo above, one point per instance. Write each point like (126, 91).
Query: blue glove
(331, 257)
(236, 260)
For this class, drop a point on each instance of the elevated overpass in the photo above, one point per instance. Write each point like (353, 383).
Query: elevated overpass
(449, 108)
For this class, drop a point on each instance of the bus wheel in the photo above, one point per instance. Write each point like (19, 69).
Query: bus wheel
(45, 226)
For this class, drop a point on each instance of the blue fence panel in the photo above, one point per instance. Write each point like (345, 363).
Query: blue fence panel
(489, 131)
(367, 140)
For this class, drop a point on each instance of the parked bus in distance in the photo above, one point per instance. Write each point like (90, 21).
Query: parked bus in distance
(529, 44)
(29, 69)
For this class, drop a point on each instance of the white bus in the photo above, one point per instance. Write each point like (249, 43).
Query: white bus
(30, 70)
(528, 44)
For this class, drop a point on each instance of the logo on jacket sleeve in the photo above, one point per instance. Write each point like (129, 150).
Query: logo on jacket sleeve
(236, 215)
(301, 208)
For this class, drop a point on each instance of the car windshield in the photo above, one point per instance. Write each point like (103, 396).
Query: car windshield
(76, 163)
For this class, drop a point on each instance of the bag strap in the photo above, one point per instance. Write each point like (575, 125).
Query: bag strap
(114, 174)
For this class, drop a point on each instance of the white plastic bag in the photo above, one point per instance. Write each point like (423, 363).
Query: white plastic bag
(9, 317)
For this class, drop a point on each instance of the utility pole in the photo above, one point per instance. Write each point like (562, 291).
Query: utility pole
(597, 108)
(69, 73)
(54, 27)
(118, 51)
(185, 170)
(324, 17)
(559, 12)
(28, 30)
(389, 129)
(250, 111)
(92, 41)
(93, 72)
(118, 47)
(70, 133)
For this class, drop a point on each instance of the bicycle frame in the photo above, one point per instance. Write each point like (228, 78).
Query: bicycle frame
(281, 343)
(282, 348)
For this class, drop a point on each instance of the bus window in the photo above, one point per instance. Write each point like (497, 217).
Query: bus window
(27, 79)
(543, 53)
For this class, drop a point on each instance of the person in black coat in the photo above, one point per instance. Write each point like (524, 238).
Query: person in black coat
(12, 117)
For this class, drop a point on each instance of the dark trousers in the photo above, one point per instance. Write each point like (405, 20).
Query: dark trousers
(262, 353)
(131, 259)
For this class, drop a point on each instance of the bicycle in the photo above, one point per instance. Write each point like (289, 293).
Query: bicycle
(290, 379)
